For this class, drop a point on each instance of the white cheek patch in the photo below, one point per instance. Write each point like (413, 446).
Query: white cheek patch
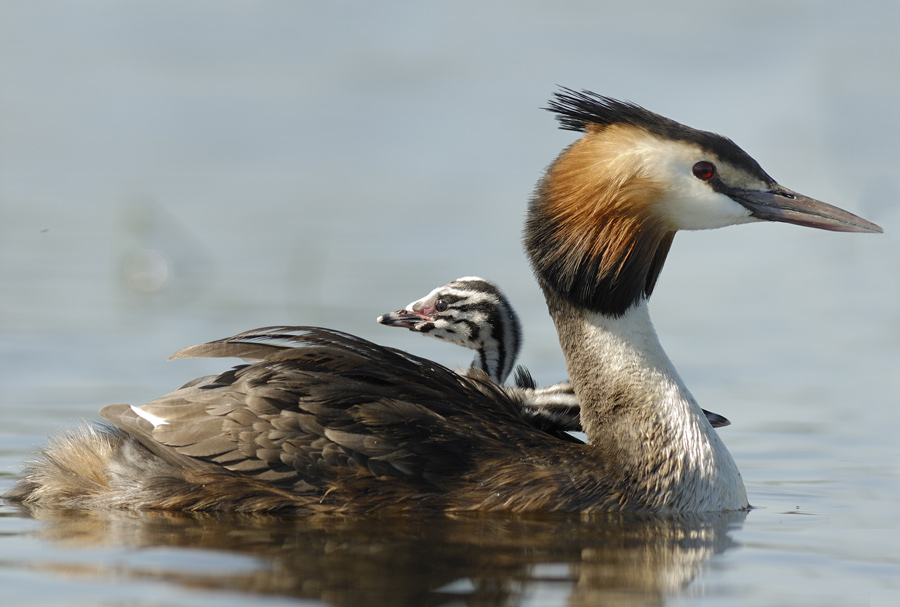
(698, 207)
(153, 419)
(689, 203)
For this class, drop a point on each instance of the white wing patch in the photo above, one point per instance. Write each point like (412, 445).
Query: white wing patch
(153, 419)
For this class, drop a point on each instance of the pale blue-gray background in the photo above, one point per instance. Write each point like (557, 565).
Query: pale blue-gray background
(174, 172)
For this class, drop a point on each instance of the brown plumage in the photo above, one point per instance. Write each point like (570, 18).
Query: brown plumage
(320, 424)
(591, 225)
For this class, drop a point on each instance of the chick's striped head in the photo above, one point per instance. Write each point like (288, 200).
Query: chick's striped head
(471, 312)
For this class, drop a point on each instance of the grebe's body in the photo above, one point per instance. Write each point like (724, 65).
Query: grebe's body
(474, 313)
(324, 421)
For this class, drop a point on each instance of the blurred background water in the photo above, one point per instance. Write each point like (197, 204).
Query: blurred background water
(175, 172)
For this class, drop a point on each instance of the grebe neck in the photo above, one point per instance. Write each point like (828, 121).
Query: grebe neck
(635, 405)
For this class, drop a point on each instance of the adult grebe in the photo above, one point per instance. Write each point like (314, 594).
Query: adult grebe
(325, 421)
(474, 313)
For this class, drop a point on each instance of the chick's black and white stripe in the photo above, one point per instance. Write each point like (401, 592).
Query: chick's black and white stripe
(472, 312)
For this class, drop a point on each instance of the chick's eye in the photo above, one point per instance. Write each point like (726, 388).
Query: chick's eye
(441, 305)
(704, 170)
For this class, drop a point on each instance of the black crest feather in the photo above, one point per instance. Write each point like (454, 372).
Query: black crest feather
(577, 111)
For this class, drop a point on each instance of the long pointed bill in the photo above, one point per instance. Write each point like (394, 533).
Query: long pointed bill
(782, 204)
(402, 318)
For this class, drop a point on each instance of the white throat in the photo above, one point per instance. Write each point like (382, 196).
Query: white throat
(634, 402)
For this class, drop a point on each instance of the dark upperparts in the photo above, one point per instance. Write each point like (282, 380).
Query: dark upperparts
(327, 416)
(585, 111)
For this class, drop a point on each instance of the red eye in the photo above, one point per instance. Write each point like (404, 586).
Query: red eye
(704, 170)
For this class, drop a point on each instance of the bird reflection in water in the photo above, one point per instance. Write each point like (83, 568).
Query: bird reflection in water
(455, 558)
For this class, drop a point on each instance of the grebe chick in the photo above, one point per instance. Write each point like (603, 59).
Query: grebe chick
(322, 421)
(474, 313)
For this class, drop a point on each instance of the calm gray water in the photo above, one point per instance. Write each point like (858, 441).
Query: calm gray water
(175, 172)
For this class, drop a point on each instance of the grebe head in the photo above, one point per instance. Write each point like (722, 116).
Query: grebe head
(603, 218)
(471, 312)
